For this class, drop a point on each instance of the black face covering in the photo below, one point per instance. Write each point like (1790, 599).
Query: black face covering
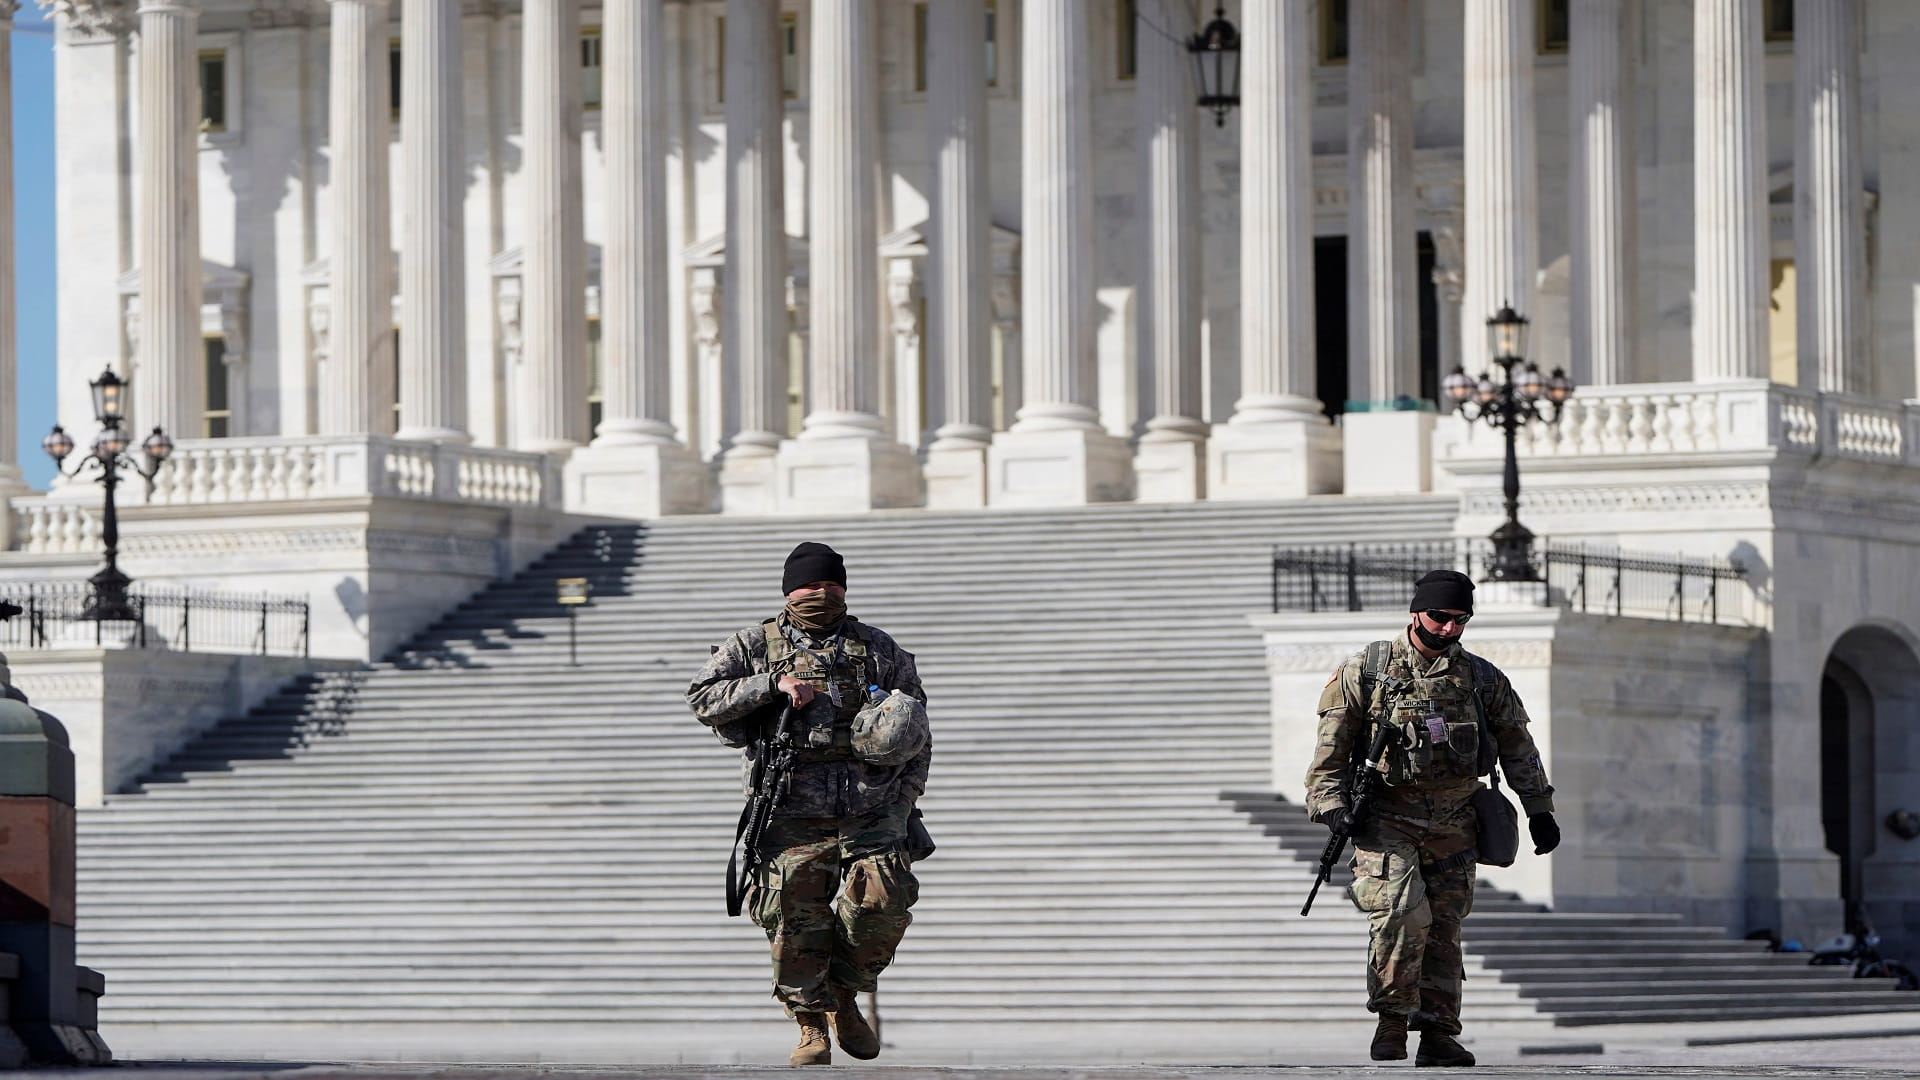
(817, 611)
(1436, 642)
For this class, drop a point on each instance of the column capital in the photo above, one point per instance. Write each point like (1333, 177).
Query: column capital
(87, 17)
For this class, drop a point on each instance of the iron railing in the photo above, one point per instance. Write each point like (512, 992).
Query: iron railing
(1380, 577)
(55, 614)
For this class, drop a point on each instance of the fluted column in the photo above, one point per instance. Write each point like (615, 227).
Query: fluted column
(356, 384)
(754, 289)
(633, 282)
(1056, 451)
(552, 399)
(1170, 458)
(169, 385)
(844, 458)
(1169, 161)
(1056, 209)
(843, 234)
(1829, 213)
(1503, 202)
(1601, 133)
(1729, 193)
(1387, 447)
(636, 465)
(959, 225)
(433, 337)
(1276, 217)
(1382, 311)
(1279, 443)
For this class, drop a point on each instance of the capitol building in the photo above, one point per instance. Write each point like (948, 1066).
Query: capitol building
(421, 288)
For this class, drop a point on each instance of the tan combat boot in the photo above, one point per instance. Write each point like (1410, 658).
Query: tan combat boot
(1441, 1050)
(814, 1048)
(855, 1036)
(1390, 1038)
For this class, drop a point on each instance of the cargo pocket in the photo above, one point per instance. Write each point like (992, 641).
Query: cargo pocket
(763, 897)
(1370, 885)
(882, 883)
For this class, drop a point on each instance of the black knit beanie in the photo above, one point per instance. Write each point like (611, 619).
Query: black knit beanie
(811, 562)
(1449, 589)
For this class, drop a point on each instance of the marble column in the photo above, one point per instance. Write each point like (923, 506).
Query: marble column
(552, 398)
(636, 465)
(844, 458)
(1387, 448)
(959, 254)
(1279, 442)
(1170, 460)
(1829, 211)
(1056, 451)
(1604, 202)
(1503, 198)
(754, 286)
(433, 339)
(169, 379)
(356, 380)
(1731, 253)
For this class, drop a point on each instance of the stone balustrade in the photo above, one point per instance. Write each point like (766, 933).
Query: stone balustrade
(1636, 420)
(280, 470)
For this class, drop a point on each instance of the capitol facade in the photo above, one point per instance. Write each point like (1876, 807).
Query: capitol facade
(421, 286)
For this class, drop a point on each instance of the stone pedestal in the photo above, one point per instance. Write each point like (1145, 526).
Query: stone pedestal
(956, 478)
(1065, 467)
(1274, 459)
(1388, 453)
(814, 476)
(746, 478)
(642, 480)
(1170, 468)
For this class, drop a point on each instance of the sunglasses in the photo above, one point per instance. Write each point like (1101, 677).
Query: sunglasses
(1442, 618)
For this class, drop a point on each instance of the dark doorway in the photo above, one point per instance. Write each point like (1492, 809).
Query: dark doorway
(1847, 782)
(1330, 320)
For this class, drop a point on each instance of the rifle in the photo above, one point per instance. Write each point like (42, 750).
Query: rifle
(1363, 787)
(771, 778)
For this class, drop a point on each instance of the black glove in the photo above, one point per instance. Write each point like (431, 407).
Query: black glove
(1546, 832)
(1337, 819)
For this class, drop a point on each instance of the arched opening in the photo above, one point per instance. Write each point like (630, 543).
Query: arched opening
(1869, 773)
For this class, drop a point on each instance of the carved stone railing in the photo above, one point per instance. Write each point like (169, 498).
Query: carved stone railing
(1648, 419)
(297, 469)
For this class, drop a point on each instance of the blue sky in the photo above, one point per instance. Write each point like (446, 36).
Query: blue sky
(34, 234)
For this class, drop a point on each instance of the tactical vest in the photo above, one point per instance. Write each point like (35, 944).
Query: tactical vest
(824, 728)
(1439, 723)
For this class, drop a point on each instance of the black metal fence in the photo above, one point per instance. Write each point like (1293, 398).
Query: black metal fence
(55, 614)
(1380, 577)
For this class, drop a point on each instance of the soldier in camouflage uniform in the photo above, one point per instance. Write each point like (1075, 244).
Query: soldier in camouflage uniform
(844, 819)
(1413, 861)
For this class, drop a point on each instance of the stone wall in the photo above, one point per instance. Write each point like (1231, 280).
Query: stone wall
(1647, 730)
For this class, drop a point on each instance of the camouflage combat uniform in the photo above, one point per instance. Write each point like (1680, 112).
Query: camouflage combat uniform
(842, 820)
(1414, 859)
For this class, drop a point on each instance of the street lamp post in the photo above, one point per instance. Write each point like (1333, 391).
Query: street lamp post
(108, 600)
(1509, 405)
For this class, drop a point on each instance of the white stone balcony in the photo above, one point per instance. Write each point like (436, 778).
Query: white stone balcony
(280, 470)
(1659, 419)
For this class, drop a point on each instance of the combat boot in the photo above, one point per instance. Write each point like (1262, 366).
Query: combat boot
(851, 1028)
(814, 1048)
(1390, 1038)
(1439, 1049)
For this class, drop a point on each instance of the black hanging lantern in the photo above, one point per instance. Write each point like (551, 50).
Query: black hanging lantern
(1216, 62)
